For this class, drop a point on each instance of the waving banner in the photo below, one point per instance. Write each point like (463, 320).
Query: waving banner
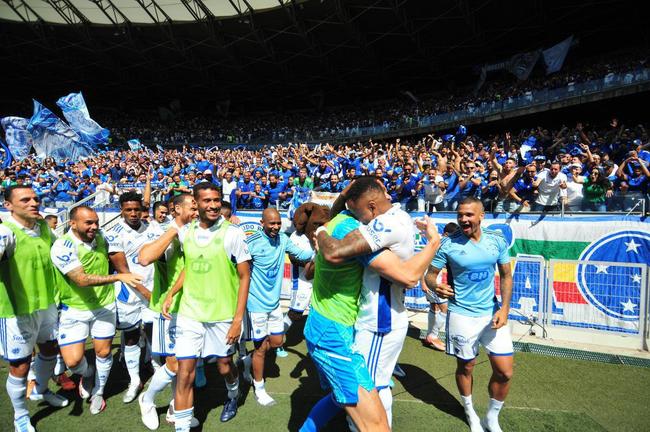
(555, 55)
(19, 140)
(54, 138)
(76, 113)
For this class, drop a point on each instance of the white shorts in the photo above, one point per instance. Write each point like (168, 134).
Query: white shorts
(130, 315)
(381, 351)
(465, 333)
(76, 325)
(163, 336)
(196, 339)
(259, 325)
(433, 298)
(19, 334)
(300, 297)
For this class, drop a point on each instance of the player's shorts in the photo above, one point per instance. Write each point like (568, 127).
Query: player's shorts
(381, 351)
(76, 325)
(433, 298)
(340, 368)
(19, 334)
(262, 324)
(196, 339)
(163, 336)
(464, 334)
(300, 297)
(130, 315)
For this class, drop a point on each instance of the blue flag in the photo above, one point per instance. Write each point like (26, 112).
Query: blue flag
(54, 138)
(76, 113)
(19, 140)
(6, 161)
(555, 55)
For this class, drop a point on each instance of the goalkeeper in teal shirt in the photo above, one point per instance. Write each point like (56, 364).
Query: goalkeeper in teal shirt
(265, 319)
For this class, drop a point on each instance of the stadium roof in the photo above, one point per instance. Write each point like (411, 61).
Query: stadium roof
(265, 53)
(112, 12)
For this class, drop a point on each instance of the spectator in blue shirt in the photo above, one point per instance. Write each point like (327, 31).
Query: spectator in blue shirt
(451, 195)
(85, 189)
(523, 191)
(245, 189)
(61, 191)
(333, 186)
(259, 198)
(277, 190)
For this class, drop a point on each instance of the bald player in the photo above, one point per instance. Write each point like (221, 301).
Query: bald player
(265, 319)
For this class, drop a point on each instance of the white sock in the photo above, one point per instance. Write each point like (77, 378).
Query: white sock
(472, 418)
(30, 375)
(263, 398)
(287, 322)
(386, 396)
(157, 362)
(60, 365)
(431, 322)
(259, 385)
(132, 357)
(103, 366)
(441, 320)
(492, 415)
(81, 368)
(161, 379)
(183, 419)
(16, 388)
(43, 368)
(233, 389)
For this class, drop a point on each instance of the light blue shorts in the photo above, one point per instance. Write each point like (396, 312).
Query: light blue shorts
(340, 367)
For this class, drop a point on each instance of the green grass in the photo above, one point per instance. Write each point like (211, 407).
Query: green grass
(548, 394)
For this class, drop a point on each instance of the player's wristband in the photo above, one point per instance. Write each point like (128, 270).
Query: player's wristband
(319, 229)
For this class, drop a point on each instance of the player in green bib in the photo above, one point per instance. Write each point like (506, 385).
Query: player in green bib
(214, 285)
(87, 302)
(28, 314)
(167, 256)
(329, 333)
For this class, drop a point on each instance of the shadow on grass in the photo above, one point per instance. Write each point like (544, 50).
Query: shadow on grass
(308, 392)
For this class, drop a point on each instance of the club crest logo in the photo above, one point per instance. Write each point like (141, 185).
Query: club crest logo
(615, 289)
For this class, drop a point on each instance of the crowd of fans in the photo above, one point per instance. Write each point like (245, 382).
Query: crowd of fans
(579, 168)
(393, 114)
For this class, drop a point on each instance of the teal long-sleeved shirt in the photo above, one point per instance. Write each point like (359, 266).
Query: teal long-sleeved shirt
(268, 268)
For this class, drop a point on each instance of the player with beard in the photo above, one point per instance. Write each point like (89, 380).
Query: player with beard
(214, 284)
(87, 302)
(474, 316)
(335, 310)
(166, 255)
(385, 243)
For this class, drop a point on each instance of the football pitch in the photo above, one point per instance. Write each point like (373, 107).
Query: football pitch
(548, 394)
